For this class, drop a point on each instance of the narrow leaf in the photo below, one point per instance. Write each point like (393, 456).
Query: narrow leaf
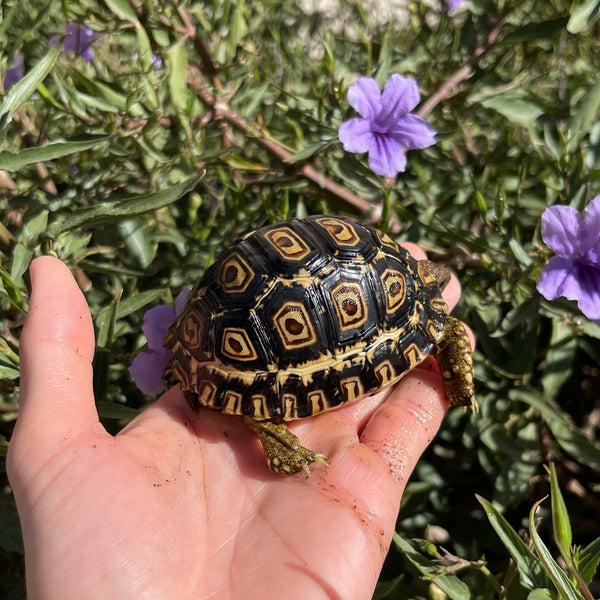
(309, 151)
(115, 211)
(13, 162)
(22, 90)
(178, 63)
(553, 570)
(537, 31)
(516, 110)
(567, 435)
(589, 558)
(560, 518)
(541, 594)
(123, 9)
(585, 114)
(530, 570)
(559, 358)
(454, 588)
(238, 28)
(21, 259)
(583, 15)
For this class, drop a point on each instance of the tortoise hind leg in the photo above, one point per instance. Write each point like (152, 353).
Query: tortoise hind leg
(455, 359)
(284, 452)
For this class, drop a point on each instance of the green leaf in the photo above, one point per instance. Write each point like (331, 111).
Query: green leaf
(238, 28)
(178, 63)
(559, 358)
(585, 114)
(310, 151)
(384, 589)
(115, 211)
(14, 162)
(537, 31)
(7, 18)
(583, 15)
(530, 570)
(21, 259)
(107, 96)
(589, 558)
(22, 90)
(567, 435)
(553, 570)
(541, 594)
(560, 519)
(145, 48)
(454, 588)
(514, 108)
(123, 10)
(138, 302)
(519, 253)
(135, 236)
(34, 228)
(105, 323)
(13, 292)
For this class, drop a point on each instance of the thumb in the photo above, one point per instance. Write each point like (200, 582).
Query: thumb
(56, 351)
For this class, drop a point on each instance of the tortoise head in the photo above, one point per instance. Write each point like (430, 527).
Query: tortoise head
(434, 274)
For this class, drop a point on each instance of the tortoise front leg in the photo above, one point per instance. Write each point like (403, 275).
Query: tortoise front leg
(284, 452)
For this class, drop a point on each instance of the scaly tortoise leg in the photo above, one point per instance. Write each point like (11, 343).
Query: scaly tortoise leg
(455, 359)
(284, 452)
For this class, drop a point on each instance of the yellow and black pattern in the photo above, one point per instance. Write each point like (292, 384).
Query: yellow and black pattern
(302, 316)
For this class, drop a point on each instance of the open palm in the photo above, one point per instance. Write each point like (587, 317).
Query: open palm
(182, 504)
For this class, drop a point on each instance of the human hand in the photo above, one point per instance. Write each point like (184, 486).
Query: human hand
(181, 504)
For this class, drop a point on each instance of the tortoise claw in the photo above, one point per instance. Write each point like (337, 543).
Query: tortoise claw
(284, 452)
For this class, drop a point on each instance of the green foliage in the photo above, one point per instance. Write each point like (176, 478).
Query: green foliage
(197, 122)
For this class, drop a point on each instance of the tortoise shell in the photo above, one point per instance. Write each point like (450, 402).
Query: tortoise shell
(302, 316)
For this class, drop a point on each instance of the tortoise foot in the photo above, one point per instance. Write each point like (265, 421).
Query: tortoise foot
(285, 454)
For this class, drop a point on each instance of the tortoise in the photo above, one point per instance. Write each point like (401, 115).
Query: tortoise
(306, 315)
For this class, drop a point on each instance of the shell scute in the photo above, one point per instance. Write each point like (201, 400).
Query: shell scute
(302, 316)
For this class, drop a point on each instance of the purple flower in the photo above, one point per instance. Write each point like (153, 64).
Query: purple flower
(148, 367)
(575, 270)
(454, 4)
(15, 73)
(385, 128)
(157, 61)
(78, 41)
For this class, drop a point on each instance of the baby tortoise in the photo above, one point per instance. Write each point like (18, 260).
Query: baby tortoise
(305, 316)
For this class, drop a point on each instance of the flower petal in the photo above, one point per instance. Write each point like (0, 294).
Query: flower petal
(413, 132)
(147, 370)
(386, 156)
(557, 275)
(588, 299)
(181, 300)
(78, 41)
(156, 325)
(15, 73)
(591, 227)
(454, 4)
(574, 281)
(356, 135)
(561, 228)
(400, 96)
(365, 97)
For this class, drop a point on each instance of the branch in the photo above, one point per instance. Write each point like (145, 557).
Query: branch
(463, 73)
(223, 111)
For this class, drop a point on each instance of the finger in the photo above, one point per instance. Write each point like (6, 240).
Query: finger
(403, 426)
(57, 348)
